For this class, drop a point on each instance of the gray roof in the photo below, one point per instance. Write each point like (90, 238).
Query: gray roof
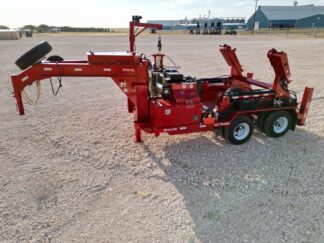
(291, 12)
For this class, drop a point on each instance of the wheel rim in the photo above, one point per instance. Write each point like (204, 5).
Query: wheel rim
(280, 125)
(241, 131)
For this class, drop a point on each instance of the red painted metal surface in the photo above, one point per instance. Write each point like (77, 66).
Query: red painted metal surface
(188, 105)
(232, 60)
(126, 76)
(167, 114)
(112, 58)
(133, 35)
(307, 98)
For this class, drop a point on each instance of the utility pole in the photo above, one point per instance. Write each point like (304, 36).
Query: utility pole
(255, 10)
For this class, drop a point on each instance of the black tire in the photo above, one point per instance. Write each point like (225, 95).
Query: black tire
(277, 123)
(33, 55)
(55, 58)
(221, 132)
(260, 121)
(232, 132)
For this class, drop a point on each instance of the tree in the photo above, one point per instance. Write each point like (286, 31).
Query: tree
(30, 27)
(43, 28)
(2, 27)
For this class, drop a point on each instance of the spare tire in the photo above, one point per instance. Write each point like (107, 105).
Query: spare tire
(33, 55)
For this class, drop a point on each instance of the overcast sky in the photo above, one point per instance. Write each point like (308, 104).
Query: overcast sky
(117, 13)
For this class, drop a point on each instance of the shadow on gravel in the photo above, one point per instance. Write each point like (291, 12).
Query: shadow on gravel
(267, 190)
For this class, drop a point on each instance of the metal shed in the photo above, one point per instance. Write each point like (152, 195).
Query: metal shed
(302, 16)
(315, 21)
(9, 35)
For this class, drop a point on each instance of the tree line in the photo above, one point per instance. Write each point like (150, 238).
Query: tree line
(2, 27)
(43, 28)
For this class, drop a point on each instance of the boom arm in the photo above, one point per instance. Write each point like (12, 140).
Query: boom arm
(129, 71)
(126, 75)
(136, 23)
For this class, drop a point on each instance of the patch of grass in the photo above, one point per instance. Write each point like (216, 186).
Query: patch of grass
(212, 215)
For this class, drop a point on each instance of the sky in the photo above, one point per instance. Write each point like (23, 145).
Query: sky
(114, 13)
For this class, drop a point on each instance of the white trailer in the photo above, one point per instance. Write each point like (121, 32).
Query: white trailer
(9, 35)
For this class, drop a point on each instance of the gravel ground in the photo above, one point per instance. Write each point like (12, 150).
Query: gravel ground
(70, 171)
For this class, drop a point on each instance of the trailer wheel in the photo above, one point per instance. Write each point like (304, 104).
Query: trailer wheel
(240, 130)
(33, 55)
(221, 132)
(260, 120)
(277, 123)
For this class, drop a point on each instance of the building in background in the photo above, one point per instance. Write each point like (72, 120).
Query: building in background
(303, 16)
(181, 24)
(10, 34)
(202, 25)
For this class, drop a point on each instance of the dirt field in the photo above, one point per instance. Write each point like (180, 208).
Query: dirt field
(70, 172)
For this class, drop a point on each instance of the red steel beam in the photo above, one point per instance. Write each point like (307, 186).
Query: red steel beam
(126, 76)
(133, 35)
(303, 110)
